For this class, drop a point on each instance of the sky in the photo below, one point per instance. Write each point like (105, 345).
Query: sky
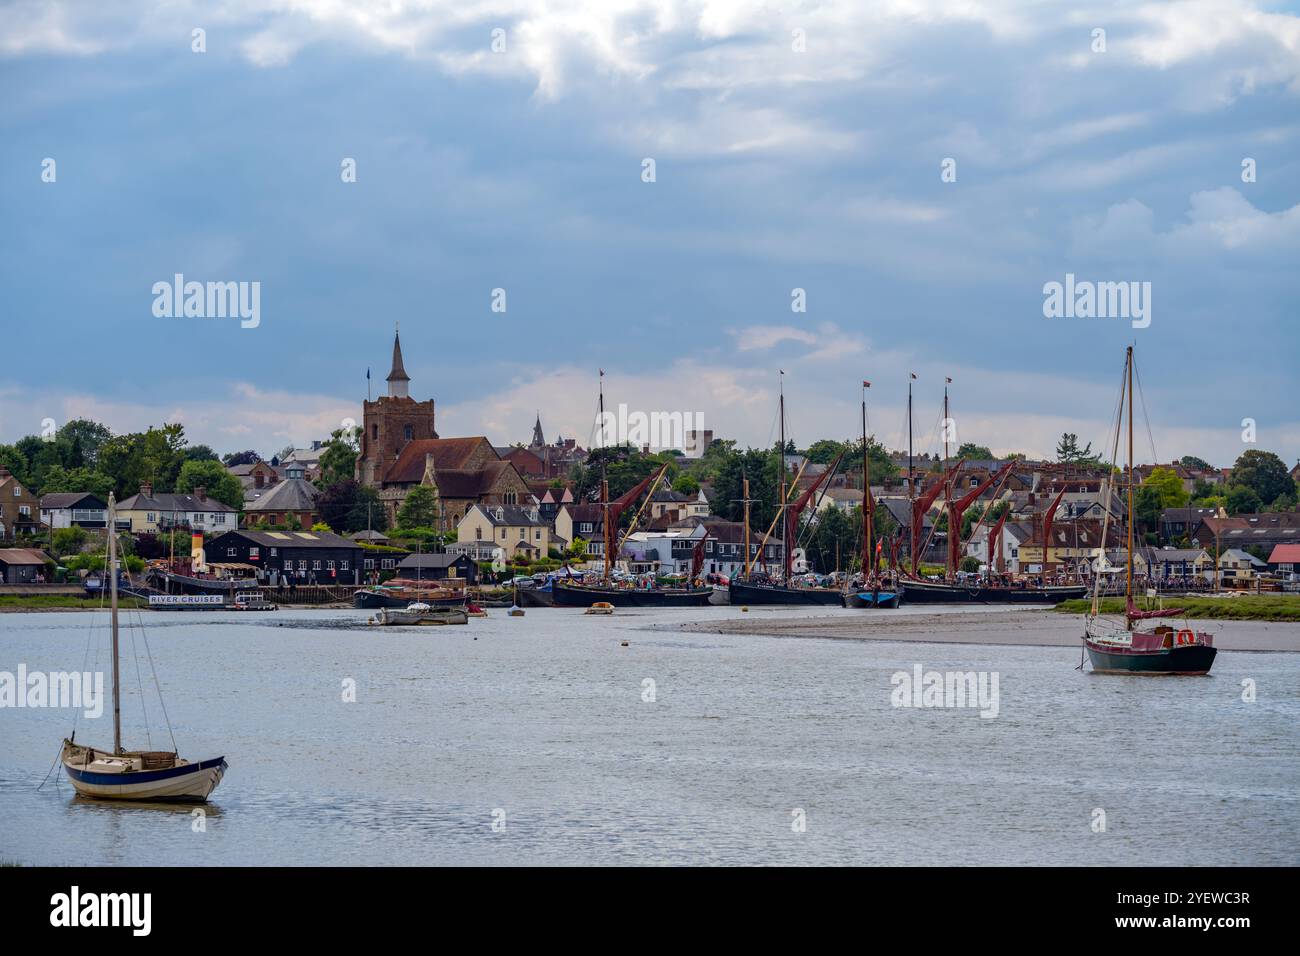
(920, 169)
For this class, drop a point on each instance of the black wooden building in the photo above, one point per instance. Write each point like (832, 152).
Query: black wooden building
(302, 557)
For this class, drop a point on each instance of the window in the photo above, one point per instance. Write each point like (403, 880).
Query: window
(150, 517)
(343, 565)
(231, 552)
(25, 510)
(585, 527)
(254, 554)
(537, 535)
(18, 492)
(974, 482)
(478, 534)
(275, 552)
(408, 432)
(374, 432)
(329, 565)
(302, 565)
(369, 564)
(385, 564)
(315, 565)
(503, 534)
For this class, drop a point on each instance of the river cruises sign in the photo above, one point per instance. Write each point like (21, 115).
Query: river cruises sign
(184, 600)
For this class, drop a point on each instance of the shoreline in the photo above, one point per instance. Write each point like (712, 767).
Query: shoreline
(1023, 628)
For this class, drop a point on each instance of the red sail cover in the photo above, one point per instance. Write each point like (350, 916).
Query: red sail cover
(995, 535)
(1136, 615)
(922, 504)
(793, 511)
(697, 557)
(1047, 526)
(619, 505)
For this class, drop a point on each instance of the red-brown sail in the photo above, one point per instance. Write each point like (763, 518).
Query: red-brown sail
(995, 536)
(793, 511)
(958, 508)
(922, 504)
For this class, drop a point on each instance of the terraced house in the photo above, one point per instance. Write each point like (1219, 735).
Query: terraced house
(148, 511)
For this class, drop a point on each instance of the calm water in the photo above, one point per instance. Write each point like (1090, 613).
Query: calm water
(543, 718)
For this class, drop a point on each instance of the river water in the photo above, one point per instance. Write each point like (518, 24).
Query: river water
(538, 740)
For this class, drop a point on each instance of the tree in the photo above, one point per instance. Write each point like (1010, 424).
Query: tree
(419, 510)
(973, 452)
(1191, 461)
(1264, 473)
(338, 457)
(248, 457)
(823, 451)
(79, 479)
(349, 507)
(1282, 503)
(211, 475)
(578, 550)
(1147, 506)
(1242, 500)
(687, 485)
(1169, 487)
(1067, 450)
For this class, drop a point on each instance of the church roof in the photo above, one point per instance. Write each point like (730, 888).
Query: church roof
(448, 454)
(399, 370)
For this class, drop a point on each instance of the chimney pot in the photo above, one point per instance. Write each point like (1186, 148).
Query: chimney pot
(201, 493)
(146, 489)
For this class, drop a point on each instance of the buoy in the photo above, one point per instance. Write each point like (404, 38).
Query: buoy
(745, 608)
(623, 644)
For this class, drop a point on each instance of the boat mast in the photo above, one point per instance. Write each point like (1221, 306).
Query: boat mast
(1128, 575)
(911, 474)
(947, 484)
(112, 610)
(780, 458)
(744, 483)
(868, 512)
(604, 482)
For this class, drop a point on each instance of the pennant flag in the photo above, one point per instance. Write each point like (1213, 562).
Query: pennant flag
(367, 375)
(866, 384)
(913, 375)
(948, 380)
(602, 373)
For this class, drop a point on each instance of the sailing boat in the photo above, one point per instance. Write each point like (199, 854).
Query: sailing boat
(870, 594)
(921, 590)
(1132, 650)
(568, 594)
(134, 774)
(748, 591)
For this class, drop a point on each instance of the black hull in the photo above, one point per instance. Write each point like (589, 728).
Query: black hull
(568, 595)
(936, 592)
(1191, 661)
(536, 597)
(373, 600)
(743, 592)
(183, 584)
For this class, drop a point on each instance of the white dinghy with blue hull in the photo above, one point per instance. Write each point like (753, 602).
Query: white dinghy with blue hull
(144, 775)
(119, 774)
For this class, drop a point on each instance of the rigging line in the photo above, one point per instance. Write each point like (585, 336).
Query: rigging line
(1142, 400)
(161, 702)
(139, 683)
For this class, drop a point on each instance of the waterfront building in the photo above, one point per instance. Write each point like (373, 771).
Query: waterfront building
(151, 512)
(305, 557)
(19, 508)
(70, 509)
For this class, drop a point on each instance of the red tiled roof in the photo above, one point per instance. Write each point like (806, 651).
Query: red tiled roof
(448, 453)
(1285, 554)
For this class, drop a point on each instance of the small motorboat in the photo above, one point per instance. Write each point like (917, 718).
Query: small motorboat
(252, 601)
(473, 610)
(418, 612)
(600, 607)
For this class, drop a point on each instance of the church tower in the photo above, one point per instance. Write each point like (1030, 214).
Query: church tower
(538, 440)
(390, 422)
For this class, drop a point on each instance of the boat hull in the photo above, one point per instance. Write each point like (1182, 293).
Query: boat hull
(572, 595)
(373, 600)
(436, 616)
(743, 592)
(192, 782)
(536, 597)
(937, 592)
(870, 599)
(1191, 661)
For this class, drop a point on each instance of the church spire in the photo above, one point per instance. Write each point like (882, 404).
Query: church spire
(397, 378)
(538, 440)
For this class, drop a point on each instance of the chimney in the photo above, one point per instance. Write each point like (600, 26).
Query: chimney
(146, 488)
(201, 493)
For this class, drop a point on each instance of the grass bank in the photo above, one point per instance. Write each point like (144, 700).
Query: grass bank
(1242, 607)
(61, 602)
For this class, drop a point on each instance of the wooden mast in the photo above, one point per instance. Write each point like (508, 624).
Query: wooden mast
(780, 458)
(604, 484)
(911, 473)
(112, 606)
(947, 485)
(744, 483)
(868, 509)
(1128, 575)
